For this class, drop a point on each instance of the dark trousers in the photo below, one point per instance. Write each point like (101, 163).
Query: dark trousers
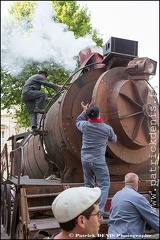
(33, 99)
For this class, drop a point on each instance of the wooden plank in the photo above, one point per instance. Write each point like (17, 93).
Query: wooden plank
(42, 195)
(24, 181)
(43, 223)
(39, 208)
(145, 187)
(49, 224)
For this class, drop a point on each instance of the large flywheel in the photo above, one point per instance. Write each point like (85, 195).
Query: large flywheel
(131, 108)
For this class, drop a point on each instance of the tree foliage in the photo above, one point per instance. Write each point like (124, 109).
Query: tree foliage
(22, 9)
(77, 20)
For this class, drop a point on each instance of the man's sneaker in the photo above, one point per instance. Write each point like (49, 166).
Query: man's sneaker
(37, 131)
(38, 110)
(30, 130)
(34, 131)
(40, 132)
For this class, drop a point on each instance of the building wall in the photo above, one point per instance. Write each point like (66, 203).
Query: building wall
(8, 127)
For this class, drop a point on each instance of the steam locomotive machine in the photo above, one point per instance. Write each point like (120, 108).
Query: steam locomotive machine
(41, 166)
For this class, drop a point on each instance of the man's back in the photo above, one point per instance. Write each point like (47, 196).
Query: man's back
(95, 136)
(33, 83)
(128, 213)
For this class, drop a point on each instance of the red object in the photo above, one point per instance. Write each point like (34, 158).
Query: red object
(108, 204)
(87, 52)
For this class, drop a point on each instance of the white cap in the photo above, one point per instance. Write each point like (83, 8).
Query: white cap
(73, 201)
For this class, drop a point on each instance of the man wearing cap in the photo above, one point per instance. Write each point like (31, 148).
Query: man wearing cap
(95, 136)
(33, 97)
(77, 211)
(130, 211)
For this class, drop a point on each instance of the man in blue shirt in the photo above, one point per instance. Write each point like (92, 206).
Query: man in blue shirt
(95, 136)
(130, 211)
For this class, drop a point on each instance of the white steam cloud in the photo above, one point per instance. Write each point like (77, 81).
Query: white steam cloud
(46, 41)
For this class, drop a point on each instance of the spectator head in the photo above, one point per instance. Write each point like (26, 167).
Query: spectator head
(76, 209)
(132, 179)
(73, 201)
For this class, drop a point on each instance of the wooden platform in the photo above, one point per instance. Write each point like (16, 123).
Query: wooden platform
(25, 181)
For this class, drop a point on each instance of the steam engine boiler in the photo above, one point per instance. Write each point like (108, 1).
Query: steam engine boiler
(118, 84)
(116, 80)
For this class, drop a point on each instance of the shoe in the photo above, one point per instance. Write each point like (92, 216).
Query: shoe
(30, 130)
(36, 131)
(33, 131)
(40, 132)
(38, 110)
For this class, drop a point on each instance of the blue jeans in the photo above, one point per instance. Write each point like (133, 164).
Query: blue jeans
(34, 99)
(97, 172)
